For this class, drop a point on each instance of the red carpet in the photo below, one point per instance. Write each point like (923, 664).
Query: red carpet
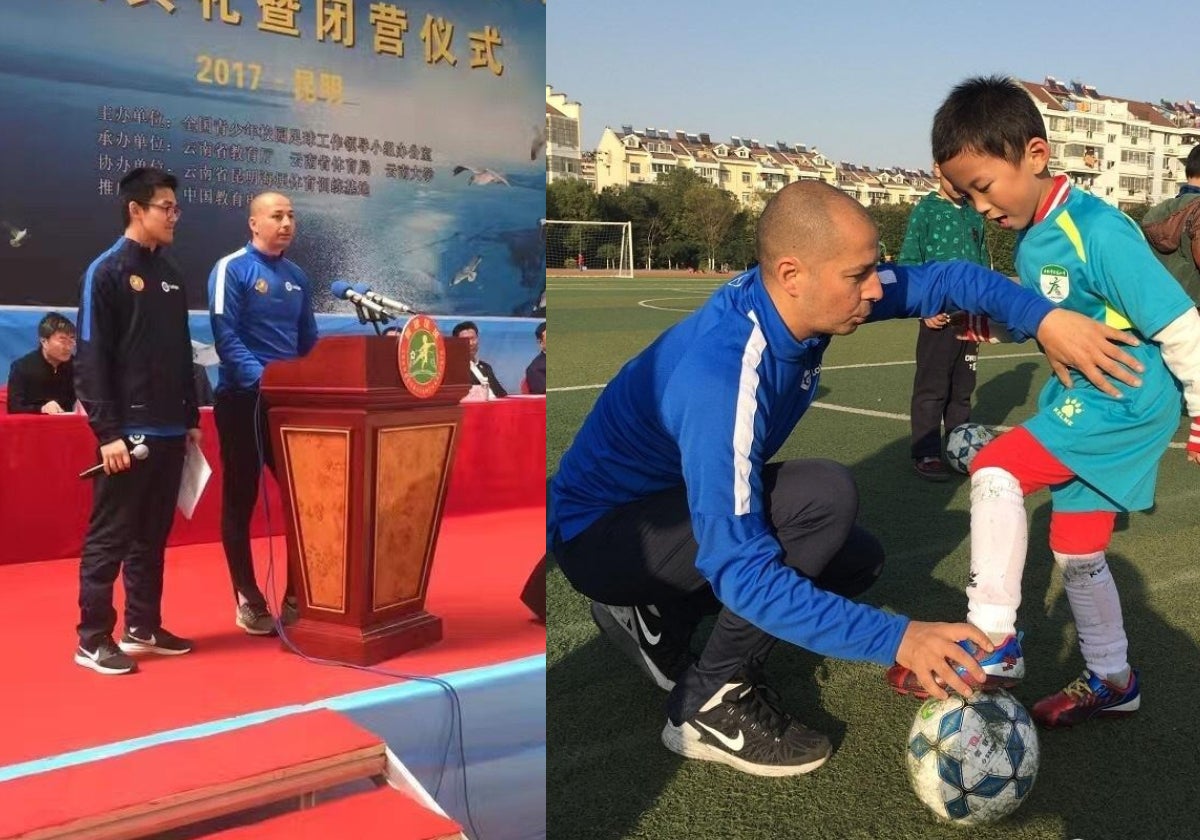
(51, 705)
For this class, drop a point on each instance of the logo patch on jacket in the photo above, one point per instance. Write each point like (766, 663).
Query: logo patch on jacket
(260, 286)
(1055, 282)
(136, 283)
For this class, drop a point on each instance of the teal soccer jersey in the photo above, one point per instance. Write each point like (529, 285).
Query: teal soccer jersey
(1089, 257)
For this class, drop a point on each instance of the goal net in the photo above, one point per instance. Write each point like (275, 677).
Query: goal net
(602, 249)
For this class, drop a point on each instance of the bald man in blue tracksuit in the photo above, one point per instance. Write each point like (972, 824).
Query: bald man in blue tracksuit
(262, 312)
(665, 508)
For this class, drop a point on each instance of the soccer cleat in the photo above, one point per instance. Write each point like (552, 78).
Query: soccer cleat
(1004, 667)
(1087, 697)
(255, 620)
(104, 658)
(742, 726)
(162, 642)
(640, 634)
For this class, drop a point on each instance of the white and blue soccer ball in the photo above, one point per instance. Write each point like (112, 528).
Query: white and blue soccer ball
(963, 444)
(972, 761)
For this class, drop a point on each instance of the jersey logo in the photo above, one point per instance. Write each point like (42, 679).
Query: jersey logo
(136, 283)
(1069, 410)
(260, 286)
(1055, 282)
(288, 285)
(169, 287)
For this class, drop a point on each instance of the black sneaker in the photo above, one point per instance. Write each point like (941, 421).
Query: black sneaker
(105, 658)
(742, 726)
(255, 620)
(639, 633)
(160, 641)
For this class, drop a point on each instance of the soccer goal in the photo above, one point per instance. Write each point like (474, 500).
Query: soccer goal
(603, 249)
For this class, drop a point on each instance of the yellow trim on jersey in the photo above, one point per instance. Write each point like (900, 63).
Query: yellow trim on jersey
(1115, 319)
(1067, 224)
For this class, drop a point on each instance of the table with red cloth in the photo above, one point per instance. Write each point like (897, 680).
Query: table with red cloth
(500, 462)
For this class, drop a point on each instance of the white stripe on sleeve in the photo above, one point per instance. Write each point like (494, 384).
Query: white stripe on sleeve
(743, 420)
(218, 301)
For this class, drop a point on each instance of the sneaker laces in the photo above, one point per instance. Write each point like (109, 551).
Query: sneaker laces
(107, 647)
(759, 706)
(1080, 689)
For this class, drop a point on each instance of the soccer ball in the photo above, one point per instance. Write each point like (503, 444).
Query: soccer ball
(964, 442)
(972, 761)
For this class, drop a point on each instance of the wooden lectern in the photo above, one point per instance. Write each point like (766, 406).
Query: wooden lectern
(363, 465)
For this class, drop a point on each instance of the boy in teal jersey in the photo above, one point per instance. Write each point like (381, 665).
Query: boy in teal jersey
(1098, 456)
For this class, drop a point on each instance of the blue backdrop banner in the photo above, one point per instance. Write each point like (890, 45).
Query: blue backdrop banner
(408, 138)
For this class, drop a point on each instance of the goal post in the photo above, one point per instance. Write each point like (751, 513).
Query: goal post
(599, 249)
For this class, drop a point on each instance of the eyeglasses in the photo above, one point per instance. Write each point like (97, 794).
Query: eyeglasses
(171, 211)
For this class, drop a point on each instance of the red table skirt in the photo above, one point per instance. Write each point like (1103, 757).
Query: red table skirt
(500, 463)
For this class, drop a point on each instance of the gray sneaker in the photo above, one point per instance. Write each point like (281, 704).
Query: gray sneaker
(255, 620)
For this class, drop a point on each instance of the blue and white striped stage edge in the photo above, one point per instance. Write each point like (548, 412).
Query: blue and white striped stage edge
(504, 735)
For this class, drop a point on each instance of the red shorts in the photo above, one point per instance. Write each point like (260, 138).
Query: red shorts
(1019, 454)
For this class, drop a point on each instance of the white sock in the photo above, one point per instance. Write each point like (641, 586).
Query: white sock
(999, 540)
(1096, 606)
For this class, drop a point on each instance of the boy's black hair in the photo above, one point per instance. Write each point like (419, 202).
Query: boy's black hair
(540, 330)
(463, 326)
(55, 322)
(989, 115)
(1192, 167)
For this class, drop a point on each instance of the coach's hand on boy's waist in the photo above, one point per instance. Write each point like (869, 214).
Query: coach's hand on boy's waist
(1071, 340)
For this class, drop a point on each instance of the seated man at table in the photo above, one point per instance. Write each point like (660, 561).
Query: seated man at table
(43, 381)
(481, 371)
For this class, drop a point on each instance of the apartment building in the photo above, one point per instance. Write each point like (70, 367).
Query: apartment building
(1124, 151)
(564, 158)
(745, 167)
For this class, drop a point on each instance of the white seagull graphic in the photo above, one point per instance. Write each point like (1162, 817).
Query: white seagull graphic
(16, 236)
(482, 176)
(467, 272)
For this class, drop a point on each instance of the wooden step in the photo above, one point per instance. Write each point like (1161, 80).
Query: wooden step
(383, 812)
(184, 782)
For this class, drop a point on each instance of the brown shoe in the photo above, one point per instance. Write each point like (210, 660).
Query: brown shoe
(931, 469)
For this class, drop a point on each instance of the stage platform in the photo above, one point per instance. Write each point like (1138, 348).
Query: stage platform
(58, 714)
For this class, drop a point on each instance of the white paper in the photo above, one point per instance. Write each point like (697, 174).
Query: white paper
(196, 472)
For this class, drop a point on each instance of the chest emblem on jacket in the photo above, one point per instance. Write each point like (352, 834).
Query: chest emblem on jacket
(1055, 282)
(260, 286)
(136, 283)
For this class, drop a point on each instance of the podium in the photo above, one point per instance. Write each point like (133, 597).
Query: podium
(363, 465)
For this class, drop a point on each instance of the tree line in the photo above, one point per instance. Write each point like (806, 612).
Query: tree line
(682, 221)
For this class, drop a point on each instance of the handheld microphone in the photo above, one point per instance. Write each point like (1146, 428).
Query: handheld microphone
(386, 302)
(138, 453)
(343, 290)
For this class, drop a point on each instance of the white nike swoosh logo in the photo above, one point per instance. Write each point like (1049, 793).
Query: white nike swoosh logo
(652, 638)
(734, 744)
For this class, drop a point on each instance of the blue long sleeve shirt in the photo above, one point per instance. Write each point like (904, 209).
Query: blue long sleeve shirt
(710, 402)
(262, 312)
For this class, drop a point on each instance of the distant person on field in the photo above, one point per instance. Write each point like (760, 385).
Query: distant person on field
(942, 227)
(1173, 228)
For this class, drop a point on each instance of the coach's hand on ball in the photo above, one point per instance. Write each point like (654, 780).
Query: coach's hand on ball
(1071, 340)
(931, 650)
(115, 456)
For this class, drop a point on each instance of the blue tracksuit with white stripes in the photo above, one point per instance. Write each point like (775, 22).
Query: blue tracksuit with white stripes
(261, 308)
(711, 401)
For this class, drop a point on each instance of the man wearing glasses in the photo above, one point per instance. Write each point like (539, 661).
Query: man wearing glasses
(42, 382)
(262, 312)
(133, 374)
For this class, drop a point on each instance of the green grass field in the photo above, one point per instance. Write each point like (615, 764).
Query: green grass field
(608, 776)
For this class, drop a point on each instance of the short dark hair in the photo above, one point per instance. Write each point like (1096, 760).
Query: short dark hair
(139, 186)
(540, 331)
(55, 322)
(1191, 169)
(463, 326)
(989, 115)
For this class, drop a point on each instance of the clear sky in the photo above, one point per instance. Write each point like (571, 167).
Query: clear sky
(858, 79)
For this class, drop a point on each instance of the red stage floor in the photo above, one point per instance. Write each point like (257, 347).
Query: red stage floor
(50, 705)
